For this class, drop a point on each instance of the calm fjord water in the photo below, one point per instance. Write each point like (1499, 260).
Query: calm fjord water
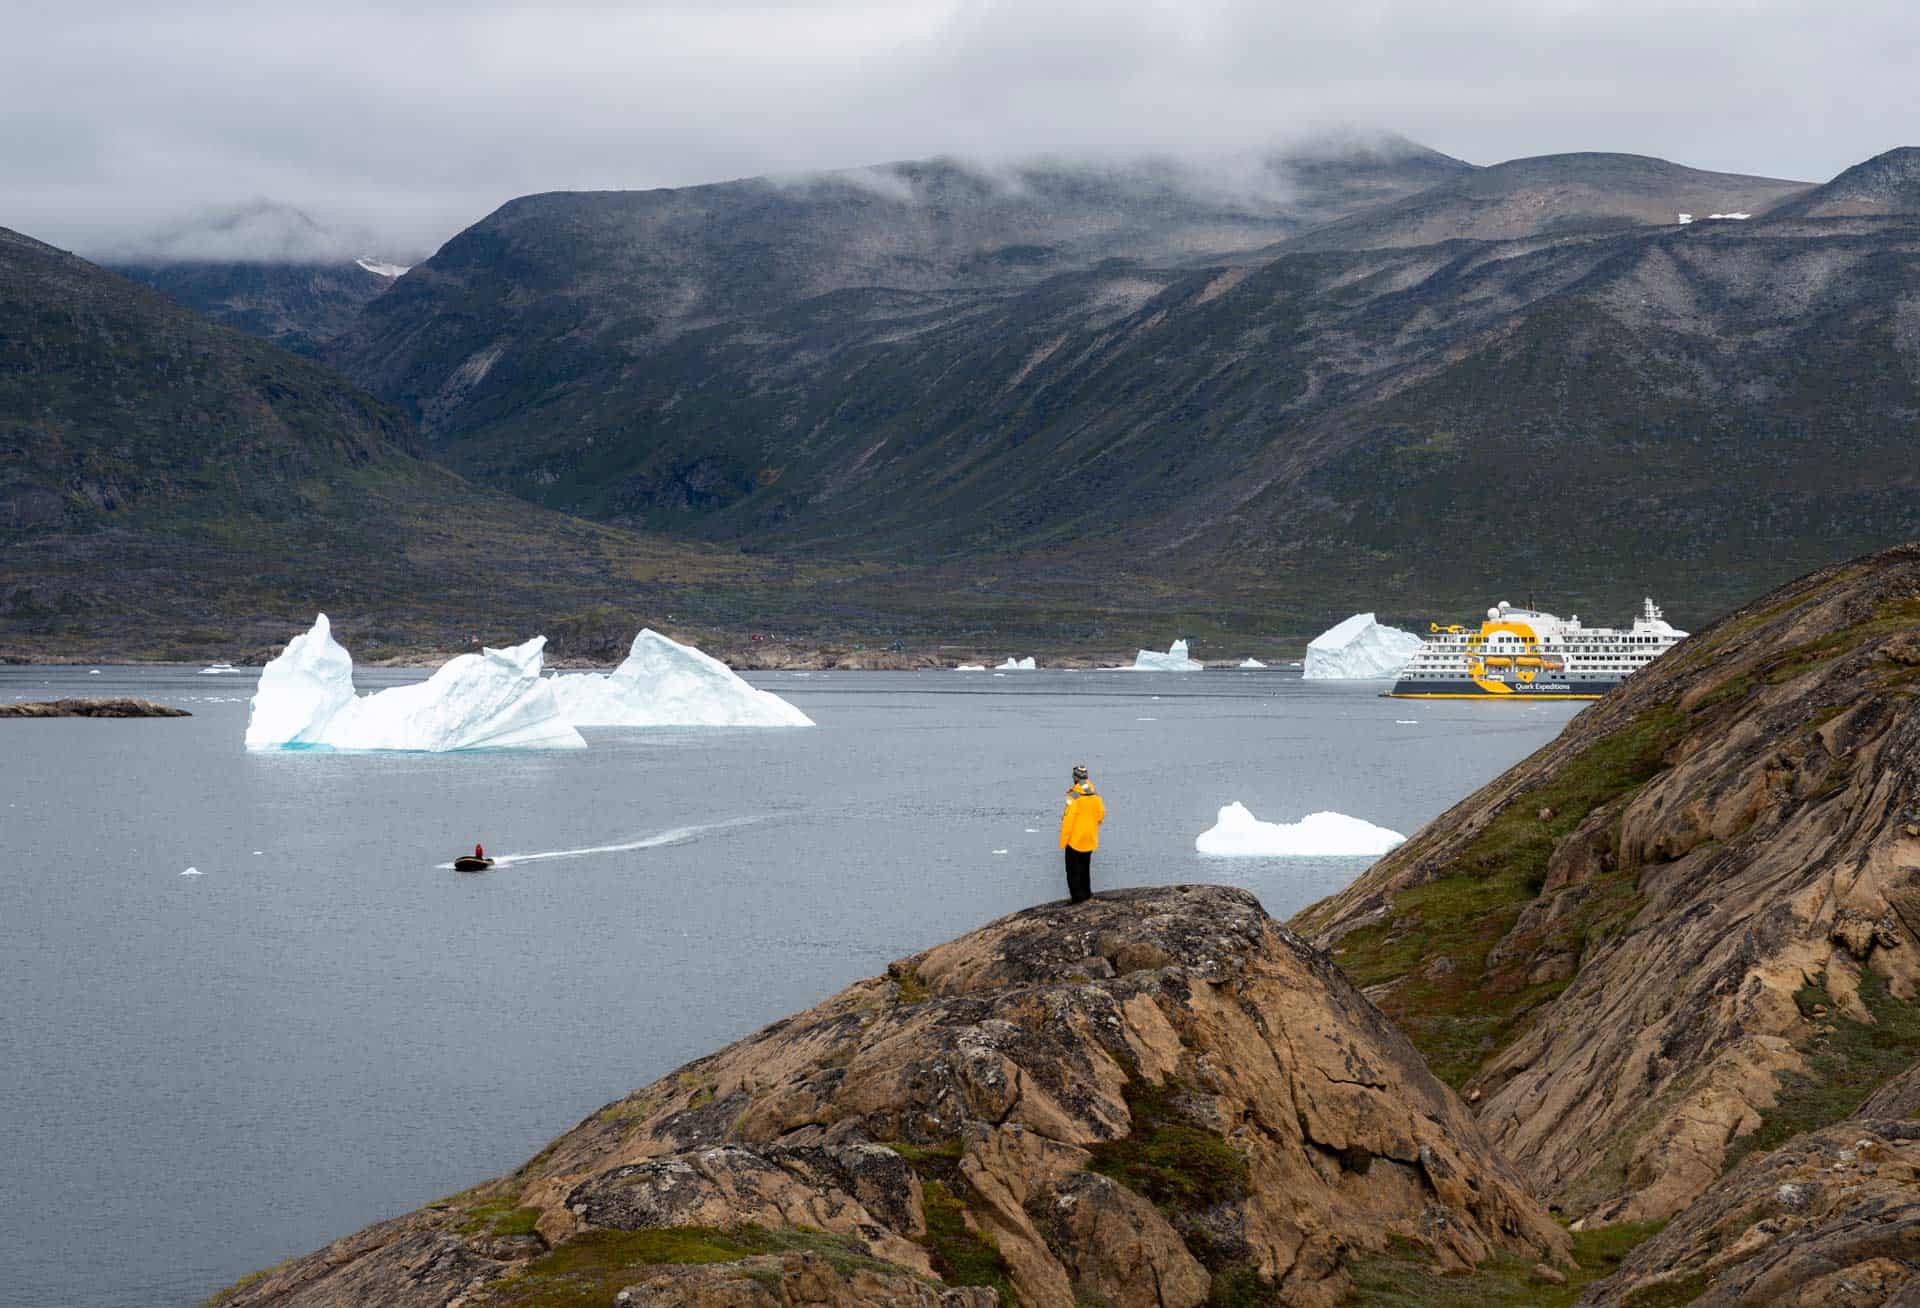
(205, 1074)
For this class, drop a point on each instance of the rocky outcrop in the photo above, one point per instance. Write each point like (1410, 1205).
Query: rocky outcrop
(92, 708)
(1828, 1220)
(1131, 1101)
(1647, 926)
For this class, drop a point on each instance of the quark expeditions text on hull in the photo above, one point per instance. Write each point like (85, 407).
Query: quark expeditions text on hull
(1529, 654)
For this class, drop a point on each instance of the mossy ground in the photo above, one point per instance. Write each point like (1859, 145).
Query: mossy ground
(1168, 1159)
(587, 1271)
(959, 1254)
(498, 1215)
(1844, 1066)
(1461, 1018)
(1403, 1277)
(1183, 1168)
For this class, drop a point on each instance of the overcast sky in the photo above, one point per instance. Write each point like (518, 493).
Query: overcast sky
(400, 123)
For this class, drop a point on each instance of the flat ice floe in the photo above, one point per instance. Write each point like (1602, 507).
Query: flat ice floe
(663, 683)
(1175, 659)
(491, 700)
(1359, 649)
(1236, 833)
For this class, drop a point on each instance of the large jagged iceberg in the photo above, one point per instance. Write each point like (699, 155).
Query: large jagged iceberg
(1174, 660)
(1017, 665)
(491, 700)
(1359, 649)
(1237, 833)
(663, 683)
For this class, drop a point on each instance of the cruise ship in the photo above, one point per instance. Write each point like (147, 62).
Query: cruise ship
(1524, 653)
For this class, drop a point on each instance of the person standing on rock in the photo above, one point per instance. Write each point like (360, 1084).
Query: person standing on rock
(1080, 833)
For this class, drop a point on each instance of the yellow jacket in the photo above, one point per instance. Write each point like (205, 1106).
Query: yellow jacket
(1080, 820)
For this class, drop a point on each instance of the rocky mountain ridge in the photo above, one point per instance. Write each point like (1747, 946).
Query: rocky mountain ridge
(1327, 420)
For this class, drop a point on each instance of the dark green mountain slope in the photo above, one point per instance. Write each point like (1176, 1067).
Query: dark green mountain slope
(299, 306)
(1698, 411)
(168, 485)
(553, 301)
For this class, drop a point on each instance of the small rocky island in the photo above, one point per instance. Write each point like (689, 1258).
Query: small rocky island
(92, 708)
(1160, 1097)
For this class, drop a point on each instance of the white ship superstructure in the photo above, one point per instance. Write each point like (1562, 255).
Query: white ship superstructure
(1525, 652)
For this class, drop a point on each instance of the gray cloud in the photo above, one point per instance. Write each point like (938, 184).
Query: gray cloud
(120, 118)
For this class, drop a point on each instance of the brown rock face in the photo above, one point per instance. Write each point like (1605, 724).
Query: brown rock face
(1828, 1220)
(1115, 1102)
(1734, 826)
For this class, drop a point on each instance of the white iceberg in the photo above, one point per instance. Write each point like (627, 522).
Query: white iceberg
(663, 683)
(971, 667)
(1236, 833)
(1359, 649)
(1174, 660)
(1017, 665)
(1252, 663)
(491, 700)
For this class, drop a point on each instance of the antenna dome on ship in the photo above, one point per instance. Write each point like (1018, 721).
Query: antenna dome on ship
(1492, 614)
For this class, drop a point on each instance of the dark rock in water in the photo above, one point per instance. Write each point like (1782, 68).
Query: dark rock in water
(92, 708)
(1155, 1098)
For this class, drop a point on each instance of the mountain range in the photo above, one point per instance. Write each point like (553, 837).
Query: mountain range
(1066, 398)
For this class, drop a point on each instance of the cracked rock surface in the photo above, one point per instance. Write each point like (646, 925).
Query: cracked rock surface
(995, 1073)
(1830, 1219)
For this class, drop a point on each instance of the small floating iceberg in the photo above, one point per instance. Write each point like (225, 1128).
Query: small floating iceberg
(1174, 660)
(215, 669)
(1252, 663)
(1016, 665)
(491, 700)
(1236, 833)
(663, 683)
(1359, 649)
(971, 667)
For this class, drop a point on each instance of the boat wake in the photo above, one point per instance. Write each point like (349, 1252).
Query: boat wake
(660, 839)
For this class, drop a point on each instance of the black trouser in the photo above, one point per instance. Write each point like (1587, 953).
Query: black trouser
(1079, 874)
